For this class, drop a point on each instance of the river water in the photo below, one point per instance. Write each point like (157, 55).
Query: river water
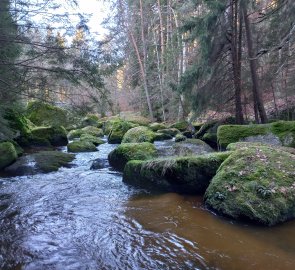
(81, 219)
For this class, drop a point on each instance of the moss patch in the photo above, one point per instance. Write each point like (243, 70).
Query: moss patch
(182, 125)
(170, 131)
(256, 183)
(95, 140)
(131, 151)
(162, 137)
(138, 135)
(46, 136)
(179, 138)
(118, 131)
(190, 175)
(157, 126)
(81, 146)
(8, 154)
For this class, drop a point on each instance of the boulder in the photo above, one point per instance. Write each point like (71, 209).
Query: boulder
(162, 137)
(277, 133)
(45, 114)
(89, 130)
(131, 151)
(190, 175)
(181, 126)
(138, 135)
(81, 146)
(170, 131)
(179, 138)
(95, 140)
(256, 183)
(47, 136)
(99, 164)
(118, 131)
(41, 162)
(90, 120)
(157, 126)
(8, 154)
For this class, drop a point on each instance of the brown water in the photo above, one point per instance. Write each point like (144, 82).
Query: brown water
(81, 219)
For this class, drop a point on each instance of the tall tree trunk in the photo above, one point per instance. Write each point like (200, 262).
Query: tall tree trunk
(253, 67)
(143, 63)
(236, 52)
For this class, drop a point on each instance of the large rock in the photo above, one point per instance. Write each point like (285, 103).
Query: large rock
(157, 126)
(131, 151)
(277, 133)
(118, 131)
(44, 114)
(190, 175)
(91, 120)
(138, 135)
(182, 125)
(81, 146)
(89, 130)
(256, 183)
(47, 136)
(170, 131)
(41, 162)
(95, 140)
(8, 154)
(161, 136)
(188, 147)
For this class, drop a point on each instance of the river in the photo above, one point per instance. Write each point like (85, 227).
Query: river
(77, 218)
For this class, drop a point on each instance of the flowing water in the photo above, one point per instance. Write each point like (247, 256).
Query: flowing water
(81, 219)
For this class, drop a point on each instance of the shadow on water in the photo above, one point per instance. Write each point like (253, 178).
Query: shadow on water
(78, 218)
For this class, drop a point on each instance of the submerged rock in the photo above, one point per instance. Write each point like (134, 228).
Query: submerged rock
(190, 175)
(99, 163)
(81, 146)
(41, 162)
(131, 151)
(138, 135)
(8, 154)
(256, 183)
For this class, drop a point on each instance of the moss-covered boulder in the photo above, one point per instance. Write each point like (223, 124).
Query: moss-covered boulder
(95, 140)
(162, 137)
(91, 120)
(8, 154)
(256, 183)
(157, 126)
(41, 162)
(170, 131)
(89, 130)
(179, 138)
(44, 114)
(138, 135)
(118, 131)
(181, 126)
(190, 175)
(139, 120)
(131, 151)
(81, 146)
(47, 136)
(197, 126)
(277, 133)
(189, 147)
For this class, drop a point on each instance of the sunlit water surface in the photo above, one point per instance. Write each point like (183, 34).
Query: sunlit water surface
(81, 219)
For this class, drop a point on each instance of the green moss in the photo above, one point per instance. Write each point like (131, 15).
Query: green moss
(131, 151)
(233, 133)
(162, 137)
(179, 138)
(284, 130)
(197, 125)
(256, 183)
(56, 136)
(170, 131)
(89, 130)
(118, 131)
(182, 126)
(90, 120)
(8, 154)
(190, 175)
(81, 146)
(48, 161)
(95, 140)
(136, 119)
(44, 114)
(157, 126)
(139, 134)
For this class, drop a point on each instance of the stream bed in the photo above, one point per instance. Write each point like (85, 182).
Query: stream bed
(79, 218)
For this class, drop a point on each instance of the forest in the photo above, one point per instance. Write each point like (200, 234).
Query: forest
(147, 134)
